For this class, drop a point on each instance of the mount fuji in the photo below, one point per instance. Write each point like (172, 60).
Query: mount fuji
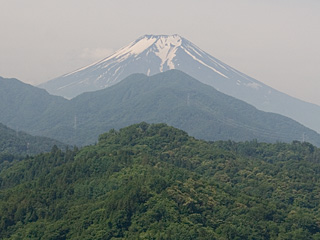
(152, 54)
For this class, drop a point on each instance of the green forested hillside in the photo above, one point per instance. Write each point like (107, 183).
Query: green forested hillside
(19, 143)
(156, 182)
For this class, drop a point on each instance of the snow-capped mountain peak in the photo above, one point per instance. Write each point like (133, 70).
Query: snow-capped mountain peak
(163, 46)
(149, 54)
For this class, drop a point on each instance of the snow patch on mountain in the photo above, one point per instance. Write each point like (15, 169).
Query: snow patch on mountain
(135, 48)
(253, 85)
(166, 50)
(80, 69)
(200, 61)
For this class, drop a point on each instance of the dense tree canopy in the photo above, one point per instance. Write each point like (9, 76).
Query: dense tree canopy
(155, 182)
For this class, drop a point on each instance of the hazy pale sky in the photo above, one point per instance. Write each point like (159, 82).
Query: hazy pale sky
(275, 41)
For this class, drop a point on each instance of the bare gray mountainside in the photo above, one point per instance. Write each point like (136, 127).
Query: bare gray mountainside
(152, 54)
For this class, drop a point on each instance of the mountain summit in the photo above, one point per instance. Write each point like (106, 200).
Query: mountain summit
(152, 54)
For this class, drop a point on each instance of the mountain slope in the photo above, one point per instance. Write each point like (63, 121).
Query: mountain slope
(20, 143)
(151, 54)
(24, 107)
(183, 102)
(156, 182)
(171, 97)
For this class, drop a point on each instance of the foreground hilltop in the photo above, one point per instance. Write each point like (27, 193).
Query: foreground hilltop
(154, 181)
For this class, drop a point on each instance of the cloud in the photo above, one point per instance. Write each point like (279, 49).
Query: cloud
(94, 54)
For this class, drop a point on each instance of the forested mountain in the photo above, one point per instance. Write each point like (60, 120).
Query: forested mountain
(171, 97)
(179, 100)
(20, 143)
(25, 107)
(152, 54)
(156, 182)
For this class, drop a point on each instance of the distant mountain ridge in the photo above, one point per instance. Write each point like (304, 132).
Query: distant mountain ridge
(24, 106)
(172, 97)
(152, 54)
(20, 143)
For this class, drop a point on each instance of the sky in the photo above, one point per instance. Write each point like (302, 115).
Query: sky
(276, 42)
